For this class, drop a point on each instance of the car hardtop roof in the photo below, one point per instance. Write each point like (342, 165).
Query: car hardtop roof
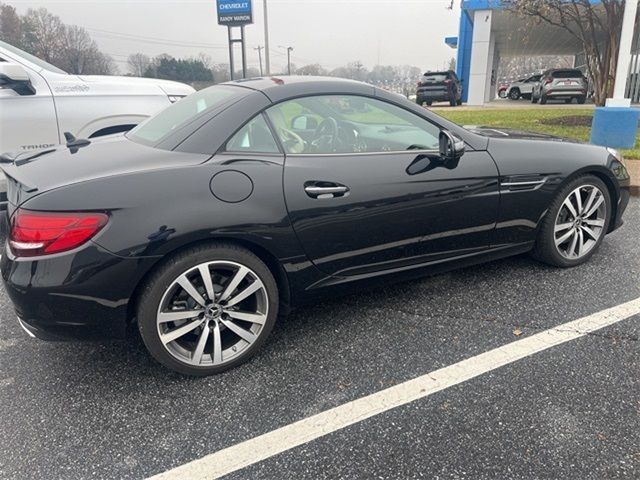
(278, 88)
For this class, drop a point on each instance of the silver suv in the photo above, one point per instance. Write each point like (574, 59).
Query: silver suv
(562, 84)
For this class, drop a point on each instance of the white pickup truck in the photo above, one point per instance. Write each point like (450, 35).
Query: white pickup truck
(40, 102)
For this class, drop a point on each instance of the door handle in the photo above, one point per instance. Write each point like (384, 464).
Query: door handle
(327, 191)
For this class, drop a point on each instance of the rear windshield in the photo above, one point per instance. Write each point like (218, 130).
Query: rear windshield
(152, 130)
(567, 74)
(435, 77)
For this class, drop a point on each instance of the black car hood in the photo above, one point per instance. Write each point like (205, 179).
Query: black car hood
(512, 133)
(40, 171)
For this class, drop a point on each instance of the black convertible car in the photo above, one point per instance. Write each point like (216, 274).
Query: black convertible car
(248, 198)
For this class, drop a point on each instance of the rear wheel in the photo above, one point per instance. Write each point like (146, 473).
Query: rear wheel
(575, 224)
(208, 310)
(568, 100)
(581, 99)
(514, 94)
(453, 102)
(543, 99)
(533, 98)
(429, 102)
(419, 100)
(459, 102)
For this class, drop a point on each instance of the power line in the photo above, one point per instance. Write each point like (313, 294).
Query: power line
(155, 40)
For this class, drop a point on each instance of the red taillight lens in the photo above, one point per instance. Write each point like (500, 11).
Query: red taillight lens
(43, 233)
(548, 80)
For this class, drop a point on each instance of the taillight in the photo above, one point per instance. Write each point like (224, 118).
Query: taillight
(448, 81)
(420, 84)
(43, 233)
(548, 80)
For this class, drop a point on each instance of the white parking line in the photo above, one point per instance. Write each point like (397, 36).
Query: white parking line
(285, 438)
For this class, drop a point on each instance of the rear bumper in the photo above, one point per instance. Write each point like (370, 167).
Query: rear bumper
(81, 295)
(565, 93)
(435, 95)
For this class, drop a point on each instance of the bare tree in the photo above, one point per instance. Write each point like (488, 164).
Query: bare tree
(596, 26)
(138, 63)
(10, 26)
(312, 69)
(43, 33)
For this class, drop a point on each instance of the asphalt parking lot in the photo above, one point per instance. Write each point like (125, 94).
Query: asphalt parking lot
(573, 411)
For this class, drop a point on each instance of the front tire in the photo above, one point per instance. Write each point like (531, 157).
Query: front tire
(575, 224)
(208, 310)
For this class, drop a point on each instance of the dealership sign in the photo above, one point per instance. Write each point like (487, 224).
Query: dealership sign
(234, 12)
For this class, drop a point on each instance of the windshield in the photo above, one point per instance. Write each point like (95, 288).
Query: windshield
(435, 77)
(567, 74)
(30, 58)
(183, 112)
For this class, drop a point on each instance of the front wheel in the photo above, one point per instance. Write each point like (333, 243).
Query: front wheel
(575, 224)
(208, 310)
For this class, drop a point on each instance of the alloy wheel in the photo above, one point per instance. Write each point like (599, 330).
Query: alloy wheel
(212, 313)
(580, 222)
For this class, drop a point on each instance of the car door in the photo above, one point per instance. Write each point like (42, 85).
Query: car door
(27, 121)
(369, 192)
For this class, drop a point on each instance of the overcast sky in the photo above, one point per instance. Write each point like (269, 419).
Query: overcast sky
(329, 32)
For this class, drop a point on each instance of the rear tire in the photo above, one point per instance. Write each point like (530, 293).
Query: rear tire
(224, 334)
(453, 102)
(543, 100)
(581, 100)
(459, 102)
(568, 100)
(419, 101)
(514, 94)
(533, 98)
(429, 103)
(560, 225)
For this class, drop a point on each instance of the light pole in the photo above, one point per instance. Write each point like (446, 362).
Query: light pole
(267, 63)
(289, 50)
(259, 49)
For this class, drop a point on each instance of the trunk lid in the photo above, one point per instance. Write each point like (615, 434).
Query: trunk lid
(31, 173)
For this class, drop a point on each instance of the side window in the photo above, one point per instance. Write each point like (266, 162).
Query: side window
(326, 124)
(255, 136)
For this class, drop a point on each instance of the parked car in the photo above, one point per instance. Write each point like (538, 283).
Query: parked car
(561, 84)
(522, 88)
(439, 87)
(252, 197)
(39, 102)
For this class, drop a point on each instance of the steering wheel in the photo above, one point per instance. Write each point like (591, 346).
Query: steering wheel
(293, 143)
(326, 135)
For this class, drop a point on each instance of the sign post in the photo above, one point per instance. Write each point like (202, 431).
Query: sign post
(235, 13)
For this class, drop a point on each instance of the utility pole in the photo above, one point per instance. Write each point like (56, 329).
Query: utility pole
(289, 50)
(267, 63)
(259, 49)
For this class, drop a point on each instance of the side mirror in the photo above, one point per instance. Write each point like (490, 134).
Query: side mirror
(451, 148)
(15, 77)
(304, 122)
